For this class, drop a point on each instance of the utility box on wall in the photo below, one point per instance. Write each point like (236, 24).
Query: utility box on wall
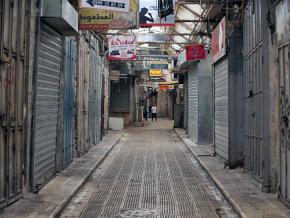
(61, 15)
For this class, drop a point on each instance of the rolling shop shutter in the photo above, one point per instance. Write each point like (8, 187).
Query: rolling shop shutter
(193, 81)
(120, 95)
(221, 82)
(46, 106)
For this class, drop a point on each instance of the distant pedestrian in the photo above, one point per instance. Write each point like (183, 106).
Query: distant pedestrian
(154, 112)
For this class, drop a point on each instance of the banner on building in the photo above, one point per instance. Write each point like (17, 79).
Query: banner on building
(157, 13)
(112, 5)
(218, 49)
(122, 48)
(155, 73)
(94, 19)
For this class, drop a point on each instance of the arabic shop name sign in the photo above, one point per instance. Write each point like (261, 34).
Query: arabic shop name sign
(155, 73)
(96, 19)
(113, 5)
(191, 53)
(122, 48)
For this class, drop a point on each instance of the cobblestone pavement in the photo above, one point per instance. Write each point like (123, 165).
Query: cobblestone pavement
(149, 174)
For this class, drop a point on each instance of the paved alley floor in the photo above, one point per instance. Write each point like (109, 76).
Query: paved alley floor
(149, 173)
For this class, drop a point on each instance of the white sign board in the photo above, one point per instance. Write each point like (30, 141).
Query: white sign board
(112, 5)
(122, 48)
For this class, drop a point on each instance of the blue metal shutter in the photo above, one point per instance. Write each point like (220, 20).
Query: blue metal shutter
(46, 105)
(221, 118)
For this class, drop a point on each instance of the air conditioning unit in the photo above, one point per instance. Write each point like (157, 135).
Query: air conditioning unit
(61, 15)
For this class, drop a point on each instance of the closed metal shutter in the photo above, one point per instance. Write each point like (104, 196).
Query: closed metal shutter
(120, 95)
(69, 97)
(185, 117)
(193, 80)
(14, 20)
(221, 117)
(46, 106)
(254, 90)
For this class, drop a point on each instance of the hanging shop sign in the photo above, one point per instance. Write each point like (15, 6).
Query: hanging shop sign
(157, 13)
(153, 63)
(166, 87)
(191, 53)
(219, 41)
(112, 5)
(155, 73)
(122, 48)
(94, 19)
(195, 52)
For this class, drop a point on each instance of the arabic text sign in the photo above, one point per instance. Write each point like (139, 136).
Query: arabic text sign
(195, 52)
(122, 48)
(219, 41)
(155, 73)
(113, 5)
(149, 13)
(103, 19)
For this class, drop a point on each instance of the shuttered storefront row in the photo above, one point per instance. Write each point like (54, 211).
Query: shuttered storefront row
(46, 106)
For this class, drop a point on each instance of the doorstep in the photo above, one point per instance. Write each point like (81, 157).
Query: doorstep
(237, 187)
(54, 196)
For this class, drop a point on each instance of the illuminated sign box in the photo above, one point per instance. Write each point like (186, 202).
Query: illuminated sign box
(155, 73)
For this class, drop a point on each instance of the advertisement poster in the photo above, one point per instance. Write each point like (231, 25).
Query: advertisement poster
(153, 14)
(122, 48)
(113, 5)
(219, 41)
(94, 19)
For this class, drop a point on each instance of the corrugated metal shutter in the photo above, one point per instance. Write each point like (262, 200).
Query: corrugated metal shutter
(46, 105)
(185, 117)
(221, 118)
(193, 80)
(69, 97)
(120, 95)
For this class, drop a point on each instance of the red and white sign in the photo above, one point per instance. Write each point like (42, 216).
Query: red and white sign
(219, 41)
(191, 53)
(122, 48)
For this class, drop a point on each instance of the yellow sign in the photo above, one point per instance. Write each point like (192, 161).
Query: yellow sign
(155, 73)
(91, 18)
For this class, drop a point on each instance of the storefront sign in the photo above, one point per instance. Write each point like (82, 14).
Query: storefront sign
(91, 19)
(195, 52)
(219, 41)
(166, 87)
(112, 5)
(150, 10)
(122, 48)
(155, 73)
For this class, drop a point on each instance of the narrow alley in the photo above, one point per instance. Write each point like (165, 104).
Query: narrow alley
(144, 108)
(150, 173)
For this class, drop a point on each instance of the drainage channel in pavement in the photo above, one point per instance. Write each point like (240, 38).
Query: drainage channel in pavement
(149, 173)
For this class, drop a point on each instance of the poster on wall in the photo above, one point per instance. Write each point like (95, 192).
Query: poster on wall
(219, 41)
(122, 48)
(157, 13)
(112, 5)
(94, 19)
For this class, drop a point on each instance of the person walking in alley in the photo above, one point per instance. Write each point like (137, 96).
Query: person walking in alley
(154, 112)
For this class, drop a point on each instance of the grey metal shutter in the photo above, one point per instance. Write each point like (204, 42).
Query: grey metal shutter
(185, 102)
(120, 95)
(46, 105)
(193, 80)
(221, 117)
